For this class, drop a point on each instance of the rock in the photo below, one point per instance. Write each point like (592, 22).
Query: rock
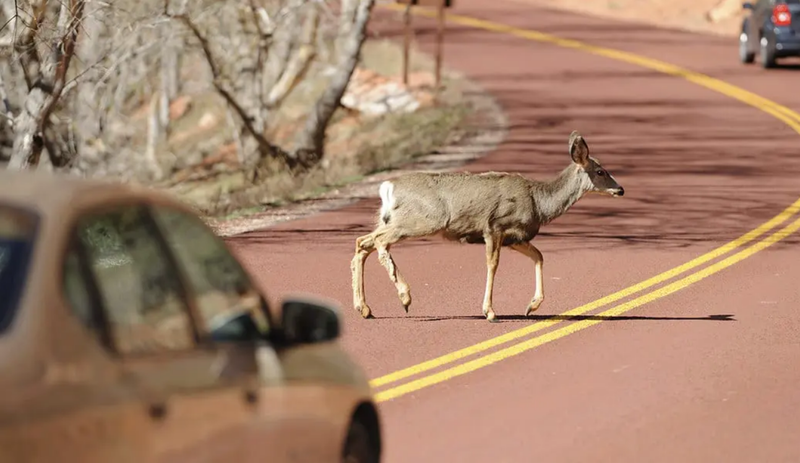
(207, 121)
(373, 94)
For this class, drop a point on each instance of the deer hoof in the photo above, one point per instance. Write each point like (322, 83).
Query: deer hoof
(366, 313)
(533, 306)
(491, 317)
(405, 299)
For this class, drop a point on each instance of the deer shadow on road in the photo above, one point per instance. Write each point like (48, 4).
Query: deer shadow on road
(568, 318)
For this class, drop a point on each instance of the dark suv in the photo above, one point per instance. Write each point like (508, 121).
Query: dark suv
(772, 28)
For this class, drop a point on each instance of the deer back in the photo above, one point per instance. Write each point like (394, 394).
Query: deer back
(462, 206)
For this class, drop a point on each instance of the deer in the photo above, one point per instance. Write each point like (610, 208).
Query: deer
(495, 209)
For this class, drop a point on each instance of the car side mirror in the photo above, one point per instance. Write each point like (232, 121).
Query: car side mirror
(747, 6)
(306, 321)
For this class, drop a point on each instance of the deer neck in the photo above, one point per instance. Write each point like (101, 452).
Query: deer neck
(555, 197)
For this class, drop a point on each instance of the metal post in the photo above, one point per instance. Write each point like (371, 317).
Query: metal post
(439, 42)
(406, 42)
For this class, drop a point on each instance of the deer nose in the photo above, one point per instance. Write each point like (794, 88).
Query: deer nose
(621, 191)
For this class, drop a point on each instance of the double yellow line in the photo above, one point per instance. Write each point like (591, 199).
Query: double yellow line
(786, 115)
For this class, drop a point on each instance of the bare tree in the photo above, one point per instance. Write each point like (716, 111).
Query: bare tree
(45, 62)
(291, 49)
(92, 83)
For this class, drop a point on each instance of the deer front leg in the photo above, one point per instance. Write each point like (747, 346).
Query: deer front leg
(492, 260)
(365, 245)
(538, 260)
(403, 290)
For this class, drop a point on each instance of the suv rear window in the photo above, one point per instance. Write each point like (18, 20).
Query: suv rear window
(17, 231)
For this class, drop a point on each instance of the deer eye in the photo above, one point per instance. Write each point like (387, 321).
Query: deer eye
(600, 172)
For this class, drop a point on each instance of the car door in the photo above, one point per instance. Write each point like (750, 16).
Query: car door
(292, 420)
(199, 394)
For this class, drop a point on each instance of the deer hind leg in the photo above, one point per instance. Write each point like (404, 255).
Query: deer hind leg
(538, 260)
(380, 239)
(403, 290)
(493, 244)
(365, 245)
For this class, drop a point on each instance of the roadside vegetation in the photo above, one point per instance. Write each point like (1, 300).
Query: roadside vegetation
(230, 105)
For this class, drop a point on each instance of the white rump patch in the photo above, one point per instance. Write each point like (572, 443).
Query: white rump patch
(386, 192)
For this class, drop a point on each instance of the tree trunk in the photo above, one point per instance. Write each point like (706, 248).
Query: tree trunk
(47, 86)
(347, 18)
(310, 145)
(28, 142)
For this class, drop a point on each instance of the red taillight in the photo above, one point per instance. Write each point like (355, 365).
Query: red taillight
(781, 15)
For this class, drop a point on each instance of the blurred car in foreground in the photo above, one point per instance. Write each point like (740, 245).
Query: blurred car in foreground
(130, 333)
(772, 28)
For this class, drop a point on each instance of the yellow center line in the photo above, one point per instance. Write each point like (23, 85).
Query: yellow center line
(521, 347)
(782, 113)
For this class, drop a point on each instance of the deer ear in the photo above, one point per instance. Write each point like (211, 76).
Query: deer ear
(578, 148)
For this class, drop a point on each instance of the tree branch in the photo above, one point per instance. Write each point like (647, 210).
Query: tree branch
(299, 63)
(284, 40)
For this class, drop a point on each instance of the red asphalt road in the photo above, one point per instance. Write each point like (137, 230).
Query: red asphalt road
(706, 374)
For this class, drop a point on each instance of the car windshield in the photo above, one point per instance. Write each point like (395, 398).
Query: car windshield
(17, 228)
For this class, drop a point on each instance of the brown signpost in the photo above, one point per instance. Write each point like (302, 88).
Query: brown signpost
(440, 6)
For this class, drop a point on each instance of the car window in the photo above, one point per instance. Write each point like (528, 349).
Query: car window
(17, 237)
(221, 286)
(140, 291)
(76, 290)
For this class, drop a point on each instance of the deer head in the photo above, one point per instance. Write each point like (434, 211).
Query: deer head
(596, 178)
